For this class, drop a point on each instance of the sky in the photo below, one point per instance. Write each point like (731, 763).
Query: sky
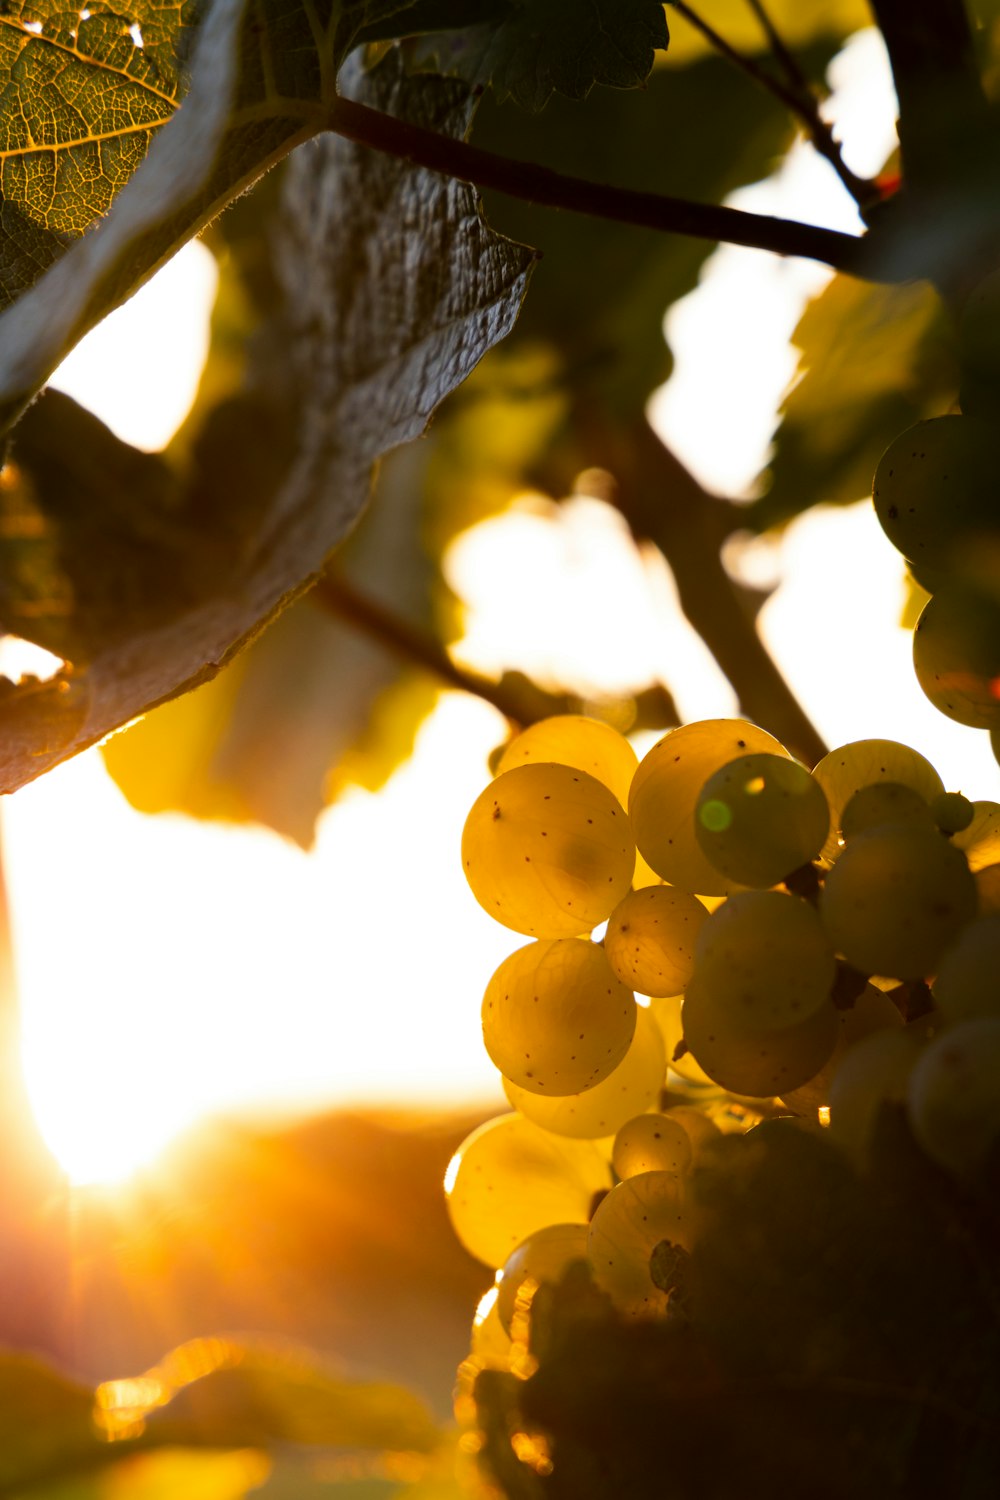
(169, 970)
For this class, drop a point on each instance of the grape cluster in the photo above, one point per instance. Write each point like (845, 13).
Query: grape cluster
(935, 496)
(805, 944)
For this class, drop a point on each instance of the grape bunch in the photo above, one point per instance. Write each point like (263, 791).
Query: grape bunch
(808, 948)
(934, 493)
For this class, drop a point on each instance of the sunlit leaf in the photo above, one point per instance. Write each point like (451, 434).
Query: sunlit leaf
(371, 344)
(81, 96)
(165, 1476)
(261, 78)
(874, 359)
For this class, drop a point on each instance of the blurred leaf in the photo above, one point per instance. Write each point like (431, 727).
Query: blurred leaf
(874, 360)
(165, 1476)
(371, 343)
(798, 23)
(219, 1393)
(45, 1419)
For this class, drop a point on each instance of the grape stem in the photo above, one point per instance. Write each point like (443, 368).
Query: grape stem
(796, 95)
(538, 184)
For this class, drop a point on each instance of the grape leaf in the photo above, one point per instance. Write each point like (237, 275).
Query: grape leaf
(262, 77)
(874, 360)
(529, 49)
(377, 324)
(81, 96)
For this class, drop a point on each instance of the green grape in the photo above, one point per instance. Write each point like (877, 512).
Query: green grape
(872, 1072)
(895, 899)
(575, 740)
(759, 818)
(650, 939)
(956, 656)
(980, 841)
(844, 771)
(597, 1113)
(652, 1143)
(872, 1011)
(539, 1260)
(934, 488)
(666, 1011)
(967, 983)
(883, 802)
(509, 1178)
(767, 960)
(626, 1228)
(953, 1096)
(547, 851)
(952, 812)
(556, 1020)
(665, 789)
(756, 1064)
(988, 889)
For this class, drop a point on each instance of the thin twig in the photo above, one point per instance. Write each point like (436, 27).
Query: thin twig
(537, 184)
(798, 98)
(521, 703)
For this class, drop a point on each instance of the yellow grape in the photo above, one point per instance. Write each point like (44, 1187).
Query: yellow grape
(666, 1011)
(651, 936)
(556, 1020)
(756, 1064)
(767, 960)
(509, 1178)
(540, 1259)
(873, 1071)
(953, 1098)
(965, 985)
(547, 851)
(665, 790)
(844, 771)
(980, 840)
(700, 1128)
(988, 886)
(575, 740)
(895, 899)
(597, 1113)
(872, 1011)
(652, 1143)
(626, 1228)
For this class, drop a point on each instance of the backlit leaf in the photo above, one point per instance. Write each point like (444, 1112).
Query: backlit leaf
(376, 325)
(874, 360)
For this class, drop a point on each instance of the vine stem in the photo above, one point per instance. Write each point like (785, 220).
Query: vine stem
(537, 184)
(520, 700)
(796, 96)
(662, 501)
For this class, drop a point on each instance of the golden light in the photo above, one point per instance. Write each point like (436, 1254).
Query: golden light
(170, 970)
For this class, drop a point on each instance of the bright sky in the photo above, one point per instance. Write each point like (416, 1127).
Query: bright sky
(170, 969)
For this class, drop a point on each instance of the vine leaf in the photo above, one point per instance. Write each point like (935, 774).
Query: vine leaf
(873, 360)
(543, 47)
(393, 289)
(123, 162)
